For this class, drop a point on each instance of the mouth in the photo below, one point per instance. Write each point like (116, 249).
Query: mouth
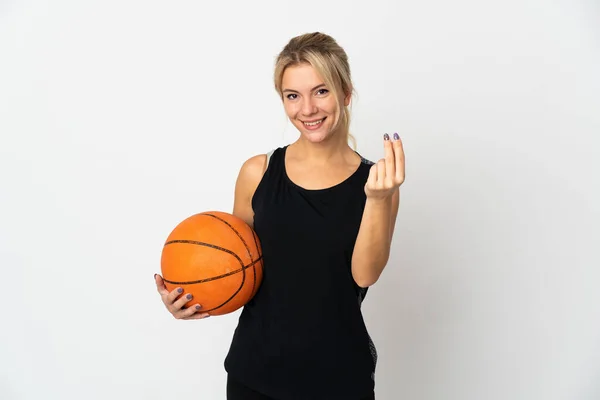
(315, 124)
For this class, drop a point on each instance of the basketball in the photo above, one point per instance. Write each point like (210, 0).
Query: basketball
(217, 258)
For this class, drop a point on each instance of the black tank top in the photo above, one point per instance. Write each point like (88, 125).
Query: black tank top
(303, 332)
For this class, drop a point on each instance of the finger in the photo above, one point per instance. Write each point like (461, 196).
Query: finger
(179, 303)
(188, 312)
(381, 172)
(160, 285)
(198, 316)
(399, 157)
(171, 297)
(390, 161)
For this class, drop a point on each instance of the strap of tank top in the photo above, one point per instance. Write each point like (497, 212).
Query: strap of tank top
(364, 160)
(269, 154)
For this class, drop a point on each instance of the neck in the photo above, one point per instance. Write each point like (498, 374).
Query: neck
(333, 149)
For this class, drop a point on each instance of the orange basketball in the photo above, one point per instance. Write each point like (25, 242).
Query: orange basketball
(217, 258)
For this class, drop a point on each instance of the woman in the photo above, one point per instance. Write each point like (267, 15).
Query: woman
(325, 218)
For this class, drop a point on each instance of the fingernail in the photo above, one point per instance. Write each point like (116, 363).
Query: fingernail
(396, 136)
(189, 296)
(386, 136)
(180, 290)
(154, 276)
(198, 307)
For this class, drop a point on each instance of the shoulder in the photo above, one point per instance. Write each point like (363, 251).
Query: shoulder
(251, 172)
(253, 169)
(255, 165)
(364, 160)
(248, 179)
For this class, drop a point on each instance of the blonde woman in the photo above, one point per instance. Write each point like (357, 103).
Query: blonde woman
(325, 218)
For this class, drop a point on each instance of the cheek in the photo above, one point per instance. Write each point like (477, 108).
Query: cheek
(291, 110)
(330, 107)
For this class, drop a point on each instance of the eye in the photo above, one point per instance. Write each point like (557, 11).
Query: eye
(290, 98)
(322, 91)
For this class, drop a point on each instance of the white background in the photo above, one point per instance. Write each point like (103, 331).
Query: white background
(118, 119)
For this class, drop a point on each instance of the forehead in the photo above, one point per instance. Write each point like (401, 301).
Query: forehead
(302, 76)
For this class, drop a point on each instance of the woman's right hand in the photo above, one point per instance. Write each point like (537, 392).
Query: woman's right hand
(175, 305)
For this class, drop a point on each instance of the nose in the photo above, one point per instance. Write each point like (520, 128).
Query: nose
(308, 106)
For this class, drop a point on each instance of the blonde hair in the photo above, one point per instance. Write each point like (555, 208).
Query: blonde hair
(330, 61)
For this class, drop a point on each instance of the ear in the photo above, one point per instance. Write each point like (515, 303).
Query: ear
(347, 99)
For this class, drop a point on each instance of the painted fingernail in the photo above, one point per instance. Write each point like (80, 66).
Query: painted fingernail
(198, 307)
(386, 136)
(189, 296)
(180, 290)
(396, 136)
(154, 276)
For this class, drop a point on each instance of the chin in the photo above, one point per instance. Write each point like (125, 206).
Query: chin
(315, 136)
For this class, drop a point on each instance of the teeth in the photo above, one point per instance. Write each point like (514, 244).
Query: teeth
(313, 123)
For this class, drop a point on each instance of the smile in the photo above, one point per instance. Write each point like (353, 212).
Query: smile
(314, 124)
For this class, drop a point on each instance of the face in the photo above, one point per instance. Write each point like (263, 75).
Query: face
(309, 103)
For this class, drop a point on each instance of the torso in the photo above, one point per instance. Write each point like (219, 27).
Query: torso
(319, 177)
(303, 332)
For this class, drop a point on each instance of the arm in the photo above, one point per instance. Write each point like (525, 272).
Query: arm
(374, 240)
(247, 181)
(373, 243)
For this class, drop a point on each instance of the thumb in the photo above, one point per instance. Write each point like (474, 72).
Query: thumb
(160, 284)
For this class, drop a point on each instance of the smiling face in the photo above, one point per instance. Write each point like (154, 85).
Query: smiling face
(309, 104)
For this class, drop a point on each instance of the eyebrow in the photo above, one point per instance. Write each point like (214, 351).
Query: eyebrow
(295, 91)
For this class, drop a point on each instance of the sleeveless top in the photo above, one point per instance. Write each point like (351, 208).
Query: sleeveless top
(303, 335)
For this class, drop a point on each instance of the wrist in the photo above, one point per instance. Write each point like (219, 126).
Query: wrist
(380, 201)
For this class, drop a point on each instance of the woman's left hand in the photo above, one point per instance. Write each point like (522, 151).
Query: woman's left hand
(387, 174)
